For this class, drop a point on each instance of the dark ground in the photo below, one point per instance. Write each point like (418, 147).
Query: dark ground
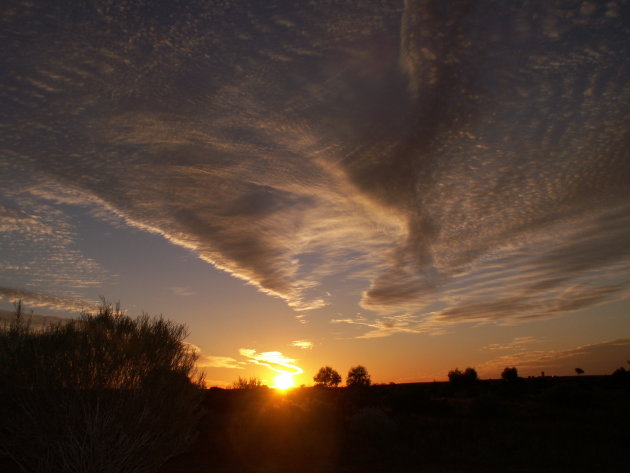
(573, 424)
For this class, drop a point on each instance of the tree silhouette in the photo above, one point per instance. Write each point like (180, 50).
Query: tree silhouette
(457, 377)
(470, 374)
(326, 376)
(358, 376)
(579, 371)
(510, 374)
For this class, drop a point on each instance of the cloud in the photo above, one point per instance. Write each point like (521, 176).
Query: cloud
(40, 261)
(34, 299)
(518, 344)
(303, 344)
(421, 155)
(274, 360)
(213, 361)
(182, 291)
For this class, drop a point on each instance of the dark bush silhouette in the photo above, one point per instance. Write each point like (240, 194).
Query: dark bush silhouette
(509, 374)
(326, 376)
(357, 377)
(102, 393)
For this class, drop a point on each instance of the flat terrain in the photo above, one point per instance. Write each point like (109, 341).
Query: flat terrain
(573, 424)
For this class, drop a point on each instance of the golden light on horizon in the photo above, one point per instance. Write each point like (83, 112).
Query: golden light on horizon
(283, 381)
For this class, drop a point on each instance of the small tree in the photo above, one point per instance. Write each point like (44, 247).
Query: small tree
(358, 376)
(471, 374)
(579, 371)
(326, 376)
(510, 374)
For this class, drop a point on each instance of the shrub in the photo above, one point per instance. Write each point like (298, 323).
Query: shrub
(103, 393)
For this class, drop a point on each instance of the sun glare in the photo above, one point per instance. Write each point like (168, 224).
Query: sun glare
(283, 381)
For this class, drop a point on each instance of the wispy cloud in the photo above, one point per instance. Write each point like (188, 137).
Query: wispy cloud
(182, 291)
(303, 344)
(274, 360)
(517, 344)
(375, 144)
(213, 361)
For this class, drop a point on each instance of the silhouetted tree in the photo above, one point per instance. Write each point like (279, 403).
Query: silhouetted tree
(326, 376)
(510, 374)
(457, 377)
(470, 374)
(358, 376)
(579, 371)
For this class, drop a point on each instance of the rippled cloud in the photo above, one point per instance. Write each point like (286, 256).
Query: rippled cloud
(36, 299)
(463, 164)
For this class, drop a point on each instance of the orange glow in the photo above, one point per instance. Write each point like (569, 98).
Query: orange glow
(283, 381)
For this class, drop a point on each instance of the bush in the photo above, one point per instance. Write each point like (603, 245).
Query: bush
(104, 393)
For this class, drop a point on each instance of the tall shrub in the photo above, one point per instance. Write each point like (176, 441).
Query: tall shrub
(104, 393)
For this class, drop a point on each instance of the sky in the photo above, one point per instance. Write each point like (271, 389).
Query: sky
(412, 186)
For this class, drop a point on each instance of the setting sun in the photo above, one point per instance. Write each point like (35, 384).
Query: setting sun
(283, 381)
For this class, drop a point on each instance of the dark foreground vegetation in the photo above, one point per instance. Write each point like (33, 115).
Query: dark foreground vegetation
(105, 393)
(531, 425)
(112, 394)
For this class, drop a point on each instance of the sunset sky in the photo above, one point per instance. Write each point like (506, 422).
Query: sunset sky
(411, 186)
